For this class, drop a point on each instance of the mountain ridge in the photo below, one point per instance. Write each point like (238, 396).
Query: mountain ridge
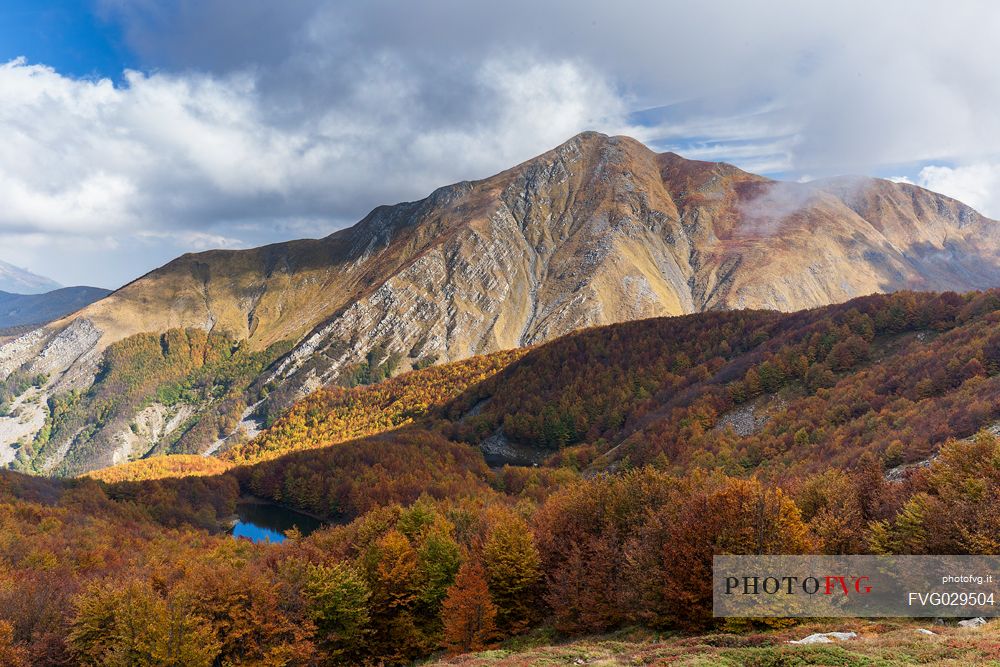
(17, 280)
(379, 227)
(595, 231)
(18, 310)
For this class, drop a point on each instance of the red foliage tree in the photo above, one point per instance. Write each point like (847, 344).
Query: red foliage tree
(468, 613)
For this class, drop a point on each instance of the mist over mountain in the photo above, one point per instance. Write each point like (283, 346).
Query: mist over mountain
(596, 231)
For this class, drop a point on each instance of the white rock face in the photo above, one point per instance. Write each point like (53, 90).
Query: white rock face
(20, 350)
(147, 430)
(67, 358)
(24, 419)
(825, 638)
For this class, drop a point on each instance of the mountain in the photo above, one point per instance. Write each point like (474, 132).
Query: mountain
(596, 231)
(17, 310)
(21, 281)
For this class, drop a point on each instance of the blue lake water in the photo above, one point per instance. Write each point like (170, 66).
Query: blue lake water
(265, 522)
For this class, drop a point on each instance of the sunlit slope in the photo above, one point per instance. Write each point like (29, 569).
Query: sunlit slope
(597, 231)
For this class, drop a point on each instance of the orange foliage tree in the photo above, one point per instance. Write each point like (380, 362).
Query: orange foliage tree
(468, 613)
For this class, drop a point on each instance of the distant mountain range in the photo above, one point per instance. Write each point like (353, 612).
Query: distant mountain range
(21, 281)
(596, 231)
(18, 310)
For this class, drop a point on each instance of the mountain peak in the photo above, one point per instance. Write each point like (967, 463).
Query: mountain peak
(587, 137)
(16, 280)
(590, 142)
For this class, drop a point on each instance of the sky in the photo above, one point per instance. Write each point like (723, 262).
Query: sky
(132, 131)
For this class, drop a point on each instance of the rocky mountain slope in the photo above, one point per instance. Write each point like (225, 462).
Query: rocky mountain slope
(17, 310)
(596, 231)
(21, 281)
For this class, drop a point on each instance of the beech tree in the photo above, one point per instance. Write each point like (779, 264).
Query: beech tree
(468, 613)
(671, 553)
(391, 569)
(11, 654)
(513, 571)
(338, 598)
(132, 625)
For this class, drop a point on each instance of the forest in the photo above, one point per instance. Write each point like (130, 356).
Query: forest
(180, 366)
(891, 375)
(134, 575)
(430, 551)
(336, 414)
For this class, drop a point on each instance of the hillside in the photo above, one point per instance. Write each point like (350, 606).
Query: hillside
(333, 415)
(760, 392)
(888, 378)
(723, 432)
(896, 375)
(160, 467)
(596, 231)
(145, 399)
(18, 310)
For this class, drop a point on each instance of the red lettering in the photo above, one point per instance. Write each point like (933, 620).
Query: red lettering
(830, 581)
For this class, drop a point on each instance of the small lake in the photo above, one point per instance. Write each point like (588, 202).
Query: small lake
(266, 522)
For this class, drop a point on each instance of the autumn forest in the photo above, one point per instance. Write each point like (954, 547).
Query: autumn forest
(569, 488)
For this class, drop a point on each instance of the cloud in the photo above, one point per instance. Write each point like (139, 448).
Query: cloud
(194, 240)
(254, 121)
(208, 159)
(846, 86)
(977, 185)
(771, 205)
